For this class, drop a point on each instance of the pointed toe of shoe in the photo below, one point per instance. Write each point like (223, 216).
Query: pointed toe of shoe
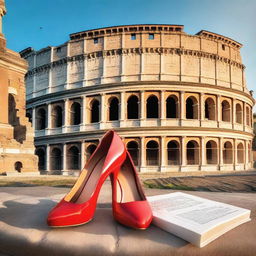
(135, 214)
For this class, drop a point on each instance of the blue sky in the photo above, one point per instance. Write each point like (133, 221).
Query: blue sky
(39, 23)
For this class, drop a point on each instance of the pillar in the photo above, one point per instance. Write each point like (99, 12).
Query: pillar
(182, 107)
(219, 110)
(244, 116)
(233, 112)
(142, 107)
(162, 107)
(235, 153)
(122, 109)
(102, 111)
(183, 154)
(83, 112)
(220, 153)
(246, 159)
(34, 118)
(48, 158)
(142, 154)
(64, 153)
(202, 107)
(83, 157)
(163, 154)
(202, 153)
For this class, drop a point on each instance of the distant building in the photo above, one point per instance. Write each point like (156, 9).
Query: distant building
(179, 101)
(16, 134)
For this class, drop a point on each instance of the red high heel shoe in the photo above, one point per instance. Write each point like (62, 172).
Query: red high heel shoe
(129, 204)
(78, 206)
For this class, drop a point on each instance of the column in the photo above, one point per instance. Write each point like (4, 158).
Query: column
(83, 113)
(122, 56)
(102, 111)
(235, 153)
(220, 153)
(244, 116)
(183, 154)
(233, 112)
(64, 153)
(34, 118)
(142, 154)
(122, 109)
(162, 107)
(182, 107)
(246, 162)
(85, 65)
(66, 114)
(83, 158)
(202, 107)
(219, 110)
(50, 73)
(203, 149)
(48, 158)
(142, 107)
(163, 153)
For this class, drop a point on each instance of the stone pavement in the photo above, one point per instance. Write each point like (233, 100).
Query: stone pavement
(23, 230)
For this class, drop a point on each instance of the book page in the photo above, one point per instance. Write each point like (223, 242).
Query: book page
(193, 213)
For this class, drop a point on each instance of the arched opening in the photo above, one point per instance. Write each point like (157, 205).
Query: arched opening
(247, 116)
(171, 107)
(173, 153)
(133, 149)
(41, 159)
(29, 116)
(56, 159)
(211, 152)
(57, 119)
(90, 149)
(152, 153)
(75, 117)
(41, 119)
(18, 166)
(73, 158)
(209, 110)
(227, 153)
(192, 153)
(225, 111)
(113, 109)
(132, 107)
(152, 107)
(12, 111)
(95, 113)
(240, 153)
(239, 114)
(191, 108)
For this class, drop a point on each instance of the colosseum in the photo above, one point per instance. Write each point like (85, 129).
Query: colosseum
(179, 101)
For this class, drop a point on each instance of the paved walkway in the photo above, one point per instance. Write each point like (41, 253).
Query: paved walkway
(23, 230)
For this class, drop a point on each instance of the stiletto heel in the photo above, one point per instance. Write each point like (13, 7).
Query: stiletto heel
(129, 203)
(79, 205)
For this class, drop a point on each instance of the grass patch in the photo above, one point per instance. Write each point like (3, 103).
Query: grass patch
(150, 184)
(18, 182)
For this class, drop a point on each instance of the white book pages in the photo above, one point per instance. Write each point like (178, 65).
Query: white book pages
(195, 219)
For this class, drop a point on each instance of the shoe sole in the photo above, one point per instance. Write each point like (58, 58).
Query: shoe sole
(75, 225)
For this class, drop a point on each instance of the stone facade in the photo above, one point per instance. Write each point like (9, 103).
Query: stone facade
(179, 101)
(16, 134)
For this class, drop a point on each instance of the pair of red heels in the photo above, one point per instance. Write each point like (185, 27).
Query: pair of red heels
(129, 204)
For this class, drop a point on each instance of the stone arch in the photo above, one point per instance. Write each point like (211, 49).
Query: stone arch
(240, 153)
(209, 109)
(41, 119)
(225, 111)
(75, 114)
(152, 107)
(89, 150)
(191, 108)
(173, 152)
(211, 152)
(18, 166)
(57, 116)
(133, 149)
(152, 152)
(95, 111)
(113, 112)
(228, 153)
(192, 152)
(239, 113)
(40, 152)
(56, 159)
(73, 158)
(133, 107)
(171, 106)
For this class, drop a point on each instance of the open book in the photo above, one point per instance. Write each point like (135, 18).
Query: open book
(196, 220)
